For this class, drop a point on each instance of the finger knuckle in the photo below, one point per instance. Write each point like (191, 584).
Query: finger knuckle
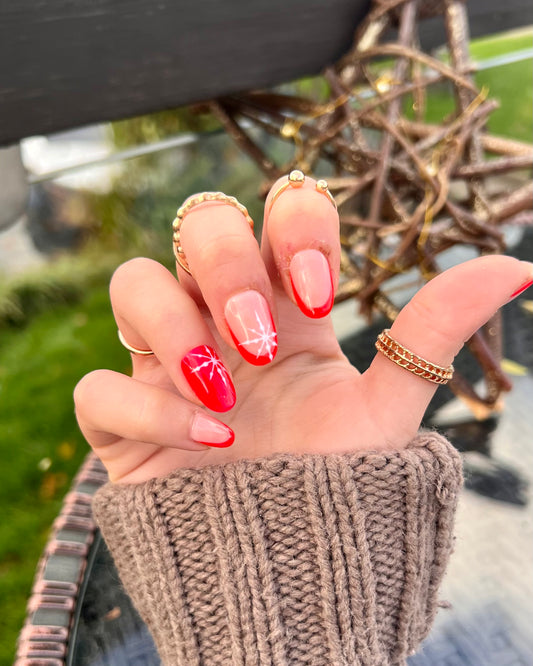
(223, 251)
(306, 204)
(130, 272)
(433, 317)
(88, 388)
(149, 411)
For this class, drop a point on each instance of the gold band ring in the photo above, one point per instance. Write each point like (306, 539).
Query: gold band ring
(406, 359)
(133, 350)
(187, 207)
(295, 180)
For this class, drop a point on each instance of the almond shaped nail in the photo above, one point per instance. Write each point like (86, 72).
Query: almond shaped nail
(312, 283)
(208, 378)
(251, 326)
(526, 284)
(520, 289)
(208, 430)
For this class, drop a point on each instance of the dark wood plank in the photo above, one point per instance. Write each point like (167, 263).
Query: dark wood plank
(71, 62)
(65, 63)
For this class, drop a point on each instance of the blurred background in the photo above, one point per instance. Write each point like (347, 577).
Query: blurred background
(87, 200)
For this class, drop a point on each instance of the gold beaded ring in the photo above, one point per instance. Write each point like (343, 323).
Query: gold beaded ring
(406, 359)
(187, 207)
(296, 179)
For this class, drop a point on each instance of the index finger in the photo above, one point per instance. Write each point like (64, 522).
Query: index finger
(301, 245)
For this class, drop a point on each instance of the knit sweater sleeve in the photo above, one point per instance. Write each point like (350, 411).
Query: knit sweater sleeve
(330, 560)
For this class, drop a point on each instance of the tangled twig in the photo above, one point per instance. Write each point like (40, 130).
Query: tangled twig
(407, 190)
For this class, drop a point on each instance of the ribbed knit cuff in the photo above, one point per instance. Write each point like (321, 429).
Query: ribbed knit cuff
(326, 560)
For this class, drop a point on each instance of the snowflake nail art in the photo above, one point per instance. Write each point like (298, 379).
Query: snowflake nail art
(208, 378)
(252, 327)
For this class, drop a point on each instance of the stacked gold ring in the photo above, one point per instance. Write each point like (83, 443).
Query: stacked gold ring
(408, 360)
(187, 207)
(296, 179)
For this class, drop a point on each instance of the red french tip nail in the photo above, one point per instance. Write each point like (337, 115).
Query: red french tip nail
(223, 445)
(208, 378)
(313, 313)
(520, 290)
(312, 283)
(207, 430)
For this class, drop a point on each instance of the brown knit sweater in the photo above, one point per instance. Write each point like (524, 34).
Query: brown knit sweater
(328, 560)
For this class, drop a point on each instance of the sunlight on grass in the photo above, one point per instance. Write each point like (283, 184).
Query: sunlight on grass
(489, 47)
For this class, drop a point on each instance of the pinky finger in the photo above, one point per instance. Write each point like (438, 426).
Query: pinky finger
(111, 407)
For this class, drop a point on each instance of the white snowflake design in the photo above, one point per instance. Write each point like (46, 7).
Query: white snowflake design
(213, 363)
(266, 338)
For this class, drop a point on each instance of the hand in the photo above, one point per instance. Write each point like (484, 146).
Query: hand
(308, 399)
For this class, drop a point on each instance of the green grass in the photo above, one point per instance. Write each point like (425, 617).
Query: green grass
(488, 47)
(512, 86)
(39, 367)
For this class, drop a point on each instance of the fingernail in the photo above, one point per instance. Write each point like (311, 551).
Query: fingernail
(525, 285)
(252, 327)
(208, 378)
(312, 283)
(207, 430)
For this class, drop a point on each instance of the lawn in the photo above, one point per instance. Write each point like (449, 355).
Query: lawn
(510, 84)
(495, 45)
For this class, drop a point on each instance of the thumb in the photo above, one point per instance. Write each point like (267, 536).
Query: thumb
(434, 325)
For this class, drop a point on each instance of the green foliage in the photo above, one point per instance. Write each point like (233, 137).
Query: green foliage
(136, 216)
(315, 87)
(513, 117)
(64, 281)
(161, 125)
(512, 86)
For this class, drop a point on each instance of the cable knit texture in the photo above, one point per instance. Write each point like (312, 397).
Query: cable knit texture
(330, 560)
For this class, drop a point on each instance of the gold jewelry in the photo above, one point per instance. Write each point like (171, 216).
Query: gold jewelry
(295, 180)
(133, 350)
(188, 206)
(405, 358)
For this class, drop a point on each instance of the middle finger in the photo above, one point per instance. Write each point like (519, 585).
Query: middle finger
(226, 263)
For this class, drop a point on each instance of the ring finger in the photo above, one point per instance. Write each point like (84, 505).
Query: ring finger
(153, 312)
